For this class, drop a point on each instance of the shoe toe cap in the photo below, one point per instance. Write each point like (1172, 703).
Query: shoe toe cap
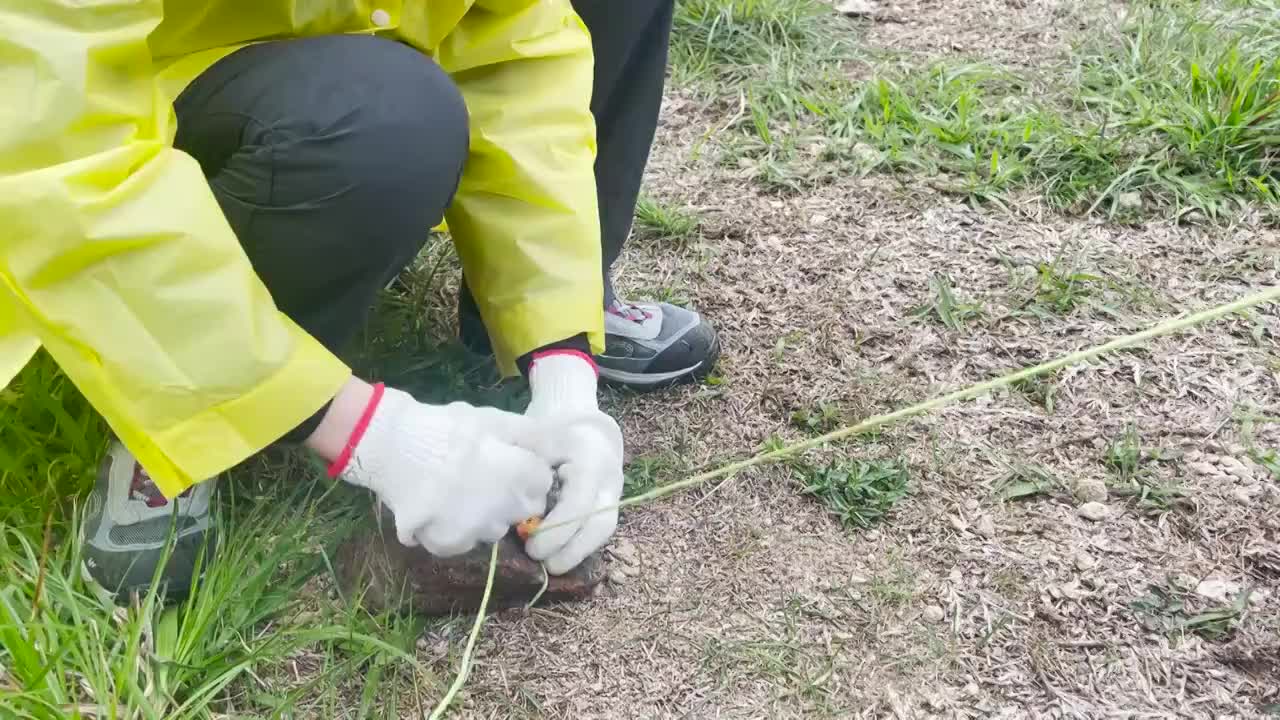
(697, 346)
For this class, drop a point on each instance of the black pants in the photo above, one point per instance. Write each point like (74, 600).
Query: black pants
(331, 179)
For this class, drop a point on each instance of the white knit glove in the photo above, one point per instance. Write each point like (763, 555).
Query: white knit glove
(452, 475)
(585, 446)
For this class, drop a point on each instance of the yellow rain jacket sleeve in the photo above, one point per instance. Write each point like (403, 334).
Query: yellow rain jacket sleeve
(116, 257)
(524, 218)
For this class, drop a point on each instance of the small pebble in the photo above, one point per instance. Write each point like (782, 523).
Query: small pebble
(624, 551)
(1073, 591)
(1090, 490)
(986, 527)
(1129, 201)
(1219, 589)
(970, 504)
(629, 570)
(1230, 464)
(856, 8)
(1241, 472)
(617, 577)
(866, 155)
(1094, 511)
(971, 689)
(934, 614)
(1085, 561)
(958, 523)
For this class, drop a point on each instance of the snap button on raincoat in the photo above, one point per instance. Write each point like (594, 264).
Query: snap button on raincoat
(115, 256)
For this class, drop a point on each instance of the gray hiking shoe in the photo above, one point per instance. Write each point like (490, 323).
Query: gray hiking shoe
(647, 345)
(653, 345)
(128, 523)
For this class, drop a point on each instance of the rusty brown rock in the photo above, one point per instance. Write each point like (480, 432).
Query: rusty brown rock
(384, 575)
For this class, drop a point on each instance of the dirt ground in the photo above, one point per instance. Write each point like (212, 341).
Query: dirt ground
(750, 601)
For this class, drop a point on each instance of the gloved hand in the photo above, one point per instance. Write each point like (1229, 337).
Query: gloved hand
(585, 446)
(452, 475)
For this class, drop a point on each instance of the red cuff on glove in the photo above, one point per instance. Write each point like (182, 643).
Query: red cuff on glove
(565, 351)
(340, 464)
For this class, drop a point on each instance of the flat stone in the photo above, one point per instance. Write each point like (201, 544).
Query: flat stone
(866, 155)
(1219, 589)
(1093, 511)
(386, 575)
(934, 614)
(986, 527)
(618, 577)
(1090, 490)
(1129, 201)
(1231, 464)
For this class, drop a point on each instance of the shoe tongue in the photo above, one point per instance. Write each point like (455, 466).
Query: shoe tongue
(638, 322)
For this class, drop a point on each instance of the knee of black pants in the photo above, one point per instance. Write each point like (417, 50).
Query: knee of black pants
(400, 152)
(340, 150)
(332, 158)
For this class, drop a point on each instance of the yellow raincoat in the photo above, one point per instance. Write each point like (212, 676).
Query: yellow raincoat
(115, 256)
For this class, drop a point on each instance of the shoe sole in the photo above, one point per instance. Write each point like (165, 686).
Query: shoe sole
(645, 382)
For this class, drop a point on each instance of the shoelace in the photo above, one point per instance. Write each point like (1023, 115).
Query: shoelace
(630, 312)
(143, 488)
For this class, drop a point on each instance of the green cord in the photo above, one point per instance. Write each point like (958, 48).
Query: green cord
(546, 581)
(1165, 328)
(465, 668)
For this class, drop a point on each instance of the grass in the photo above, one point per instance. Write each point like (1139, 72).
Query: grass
(782, 649)
(64, 652)
(822, 418)
(1041, 391)
(1025, 481)
(732, 40)
(674, 227)
(1175, 110)
(643, 474)
(897, 587)
(945, 308)
(1270, 460)
(1058, 292)
(1170, 610)
(1133, 468)
(859, 493)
